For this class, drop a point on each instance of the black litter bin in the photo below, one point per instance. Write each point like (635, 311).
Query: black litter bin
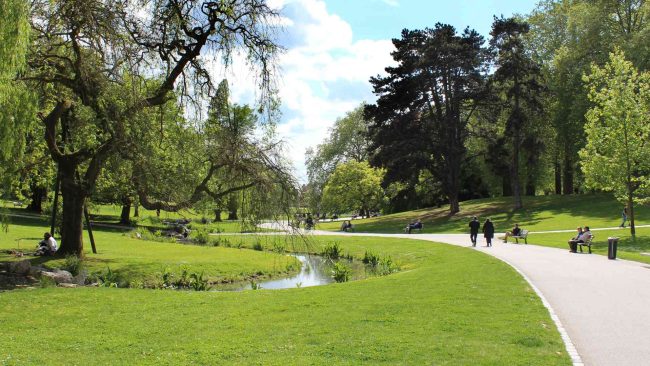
(612, 244)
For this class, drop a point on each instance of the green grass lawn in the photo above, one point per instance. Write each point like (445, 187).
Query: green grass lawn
(539, 214)
(136, 260)
(448, 305)
(628, 248)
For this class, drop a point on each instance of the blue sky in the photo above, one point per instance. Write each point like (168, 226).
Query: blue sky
(333, 47)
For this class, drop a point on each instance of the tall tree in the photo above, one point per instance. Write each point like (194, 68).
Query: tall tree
(84, 49)
(617, 154)
(353, 186)
(347, 141)
(425, 103)
(517, 77)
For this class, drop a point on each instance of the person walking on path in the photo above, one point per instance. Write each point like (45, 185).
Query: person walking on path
(488, 231)
(624, 216)
(474, 225)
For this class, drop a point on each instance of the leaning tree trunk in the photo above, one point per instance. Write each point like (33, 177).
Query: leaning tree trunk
(74, 199)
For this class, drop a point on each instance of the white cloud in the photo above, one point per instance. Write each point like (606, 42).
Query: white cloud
(322, 54)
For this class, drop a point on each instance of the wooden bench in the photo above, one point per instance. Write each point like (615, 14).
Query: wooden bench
(522, 235)
(18, 204)
(587, 243)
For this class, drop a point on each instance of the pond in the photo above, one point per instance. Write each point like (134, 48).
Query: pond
(315, 271)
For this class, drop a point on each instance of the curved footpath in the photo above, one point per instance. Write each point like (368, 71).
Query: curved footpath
(604, 305)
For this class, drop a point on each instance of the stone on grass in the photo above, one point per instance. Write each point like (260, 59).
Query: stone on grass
(58, 276)
(20, 267)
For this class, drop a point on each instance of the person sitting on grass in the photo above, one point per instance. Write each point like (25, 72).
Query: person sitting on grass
(414, 225)
(47, 246)
(346, 225)
(515, 232)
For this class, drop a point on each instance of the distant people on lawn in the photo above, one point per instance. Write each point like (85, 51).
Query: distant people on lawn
(414, 225)
(624, 216)
(47, 246)
(474, 226)
(488, 232)
(581, 237)
(346, 225)
(514, 232)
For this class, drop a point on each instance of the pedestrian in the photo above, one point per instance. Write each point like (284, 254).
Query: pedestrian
(474, 225)
(488, 231)
(624, 215)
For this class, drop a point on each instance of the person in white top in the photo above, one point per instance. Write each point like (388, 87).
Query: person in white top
(47, 246)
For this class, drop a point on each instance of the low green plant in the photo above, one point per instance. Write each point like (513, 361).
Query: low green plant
(46, 282)
(108, 278)
(255, 285)
(258, 245)
(73, 264)
(370, 258)
(201, 236)
(198, 282)
(332, 250)
(341, 272)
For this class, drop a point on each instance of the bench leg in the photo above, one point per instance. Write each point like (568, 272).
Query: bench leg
(589, 249)
(516, 240)
(526, 240)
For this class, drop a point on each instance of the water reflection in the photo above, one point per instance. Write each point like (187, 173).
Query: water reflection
(314, 271)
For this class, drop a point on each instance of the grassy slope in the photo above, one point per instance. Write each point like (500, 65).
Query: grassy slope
(539, 214)
(449, 306)
(139, 260)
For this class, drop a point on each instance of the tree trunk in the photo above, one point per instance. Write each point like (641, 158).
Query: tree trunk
(136, 211)
(72, 226)
(36, 204)
(567, 184)
(232, 215)
(217, 215)
(126, 213)
(454, 205)
(233, 205)
(558, 177)
(530, 187)
(506, 185)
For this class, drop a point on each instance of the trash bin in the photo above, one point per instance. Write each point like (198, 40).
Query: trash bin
(573, 246)
(612, 244)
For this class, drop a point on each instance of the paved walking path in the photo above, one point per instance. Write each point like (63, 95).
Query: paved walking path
(603, 305)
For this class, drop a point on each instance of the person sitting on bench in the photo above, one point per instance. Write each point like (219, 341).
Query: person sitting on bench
(573, 243)
(47, 246)
(414, 225)
(516, 231)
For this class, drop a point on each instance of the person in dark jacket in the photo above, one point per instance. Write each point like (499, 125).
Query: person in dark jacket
(474, 225)
(488, 232)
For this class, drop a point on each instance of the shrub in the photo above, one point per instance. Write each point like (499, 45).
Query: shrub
(341, 272)
(73, 264)
(201, 236)
(258, 246)
(198, 282)
(108, 278)
(332, 251)
(370, 259)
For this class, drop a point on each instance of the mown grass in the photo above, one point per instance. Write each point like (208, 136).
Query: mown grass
(448, 305)
(137, 260)
(628, 248)
(539, 214)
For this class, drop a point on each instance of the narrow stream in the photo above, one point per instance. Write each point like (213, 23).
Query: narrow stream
(315, 271)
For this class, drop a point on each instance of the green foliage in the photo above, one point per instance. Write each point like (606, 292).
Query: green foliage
(201, 236)
(258, 245)
(353, 186)
(370, 258)
(73, 264)
(341, 272)
(14, 33)
(332, 250)
(108, 278)
(616, 157)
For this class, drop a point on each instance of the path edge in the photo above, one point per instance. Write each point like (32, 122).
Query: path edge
(568, 343)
